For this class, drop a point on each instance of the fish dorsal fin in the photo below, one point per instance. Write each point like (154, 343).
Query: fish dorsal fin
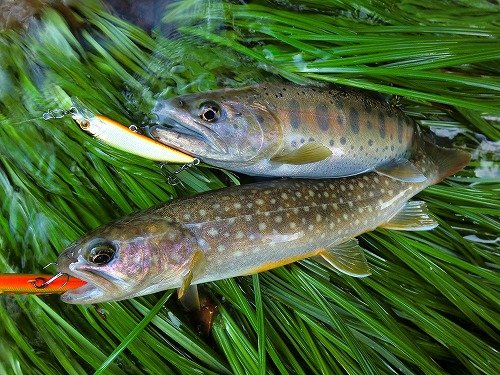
(413, 216)
(309, 153)
(197, 263)
(348, 258)
(190, 300)
(402, 170)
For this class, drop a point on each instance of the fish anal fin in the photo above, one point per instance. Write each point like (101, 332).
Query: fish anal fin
(311, 152)
(401, 170)
(348, 258)
(413, 216)
(197, 262)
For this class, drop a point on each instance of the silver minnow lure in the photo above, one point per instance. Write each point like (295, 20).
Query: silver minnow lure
(247, 229)
(289, 130)
(121, 137)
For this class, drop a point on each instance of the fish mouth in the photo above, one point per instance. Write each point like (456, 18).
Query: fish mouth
(100, 287)
(187, 137)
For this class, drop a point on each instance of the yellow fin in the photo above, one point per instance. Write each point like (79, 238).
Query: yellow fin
(197, 262)
(190, 300)
(402, 170)
(347, 258)
(309, 153)
(413, 216)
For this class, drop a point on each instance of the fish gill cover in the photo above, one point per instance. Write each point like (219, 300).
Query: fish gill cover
(431, 304)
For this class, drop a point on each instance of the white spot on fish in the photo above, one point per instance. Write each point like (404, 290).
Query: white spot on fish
(278, 219)
(346, 217)
(202, 212)
(350, 203)
(342, 187)
(237, 205)
(186, 217)
(293, 225)
(370, 194)
(318, 218)
(259, 201)
(249, 205)
(238, 253)
(335, 206)
(361, 185)
(284, 196)
(239, 235)
(213, 232)
(298, 194)
(216, 206)
(221, 248)
(310, 227)
(262, 226)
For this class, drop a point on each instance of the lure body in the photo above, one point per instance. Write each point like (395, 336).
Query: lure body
(289, 130)
(14, 283)
(247, 229)
(121, 137)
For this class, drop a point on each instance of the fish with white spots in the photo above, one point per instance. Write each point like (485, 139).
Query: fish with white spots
(289, 130)
(247, 229)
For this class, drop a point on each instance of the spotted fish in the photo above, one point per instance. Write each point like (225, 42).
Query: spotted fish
(289, 130)
(243, 230)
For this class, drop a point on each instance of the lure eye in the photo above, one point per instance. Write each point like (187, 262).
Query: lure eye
(209, 112)
(84, 124)
(101, 253)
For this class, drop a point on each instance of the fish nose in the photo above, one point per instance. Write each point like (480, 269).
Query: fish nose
(65, 259)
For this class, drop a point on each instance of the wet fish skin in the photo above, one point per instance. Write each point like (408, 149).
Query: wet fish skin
(266, 130)
(248, 229)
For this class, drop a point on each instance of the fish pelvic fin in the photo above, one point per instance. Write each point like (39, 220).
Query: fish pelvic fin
(414, 216)
(348, 258)
(196, 264)
(401, 170)
(309, 153)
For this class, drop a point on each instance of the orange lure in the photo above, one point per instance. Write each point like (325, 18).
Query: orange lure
(16, 283)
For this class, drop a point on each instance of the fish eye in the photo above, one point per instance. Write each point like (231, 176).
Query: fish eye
(101, 253)
(209, 112)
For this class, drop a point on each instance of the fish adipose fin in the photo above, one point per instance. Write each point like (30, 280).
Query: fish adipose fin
(197, 262)
(309, 153)
(413, 216)
(401, 170)
(348, 258)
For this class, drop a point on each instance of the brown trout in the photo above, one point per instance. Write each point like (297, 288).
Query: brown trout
(247, 229)
(288, 130)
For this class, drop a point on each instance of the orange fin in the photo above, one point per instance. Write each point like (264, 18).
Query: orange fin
(309, 153)
(197, 262)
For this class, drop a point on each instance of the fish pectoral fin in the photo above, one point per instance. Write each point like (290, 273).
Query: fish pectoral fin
(309, 153)
(402, 170)
(197, 263)
(348, 258)
(190, 300)
(413, 216)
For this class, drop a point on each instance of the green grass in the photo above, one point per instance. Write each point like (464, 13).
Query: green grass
(431, 305)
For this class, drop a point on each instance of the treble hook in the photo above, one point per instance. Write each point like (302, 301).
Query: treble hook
(41, 283)
(172, 178)
(59, 113)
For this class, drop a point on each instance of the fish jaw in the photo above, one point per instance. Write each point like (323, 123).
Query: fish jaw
(127, 258)
(241, 131)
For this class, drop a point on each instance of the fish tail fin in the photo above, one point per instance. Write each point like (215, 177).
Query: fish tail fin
(447, 161)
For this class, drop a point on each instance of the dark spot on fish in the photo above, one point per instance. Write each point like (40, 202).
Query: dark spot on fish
(331, 142)
(302, 140)
(400, 129)
(368, 107)
(181, 103)
(340, 120)
(260, 119)
(354, 120)
(370, 142)
(391, 136)
(294, 109)
(392, 148)
(369, 125)
(361, 148)
(390, 114)
(294, 144)
(322, 117)
(339, 105)
(342, 140)
(311, 139)
(352, 147)
(237, 114)
(381, 124)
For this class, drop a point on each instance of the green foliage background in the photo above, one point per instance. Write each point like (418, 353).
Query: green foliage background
(431, 305)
